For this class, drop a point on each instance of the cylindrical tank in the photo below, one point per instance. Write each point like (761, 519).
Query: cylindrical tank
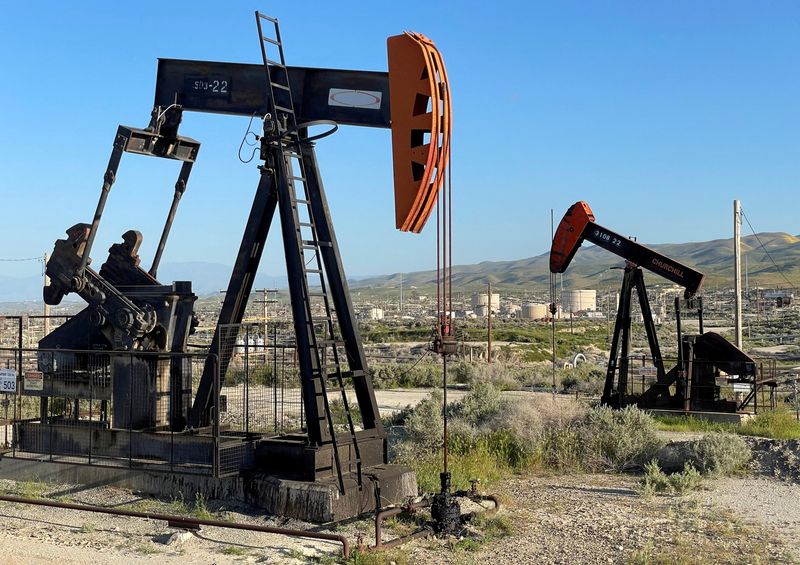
(534, 311)
(482, 299)
(376, 313)
(579, 300)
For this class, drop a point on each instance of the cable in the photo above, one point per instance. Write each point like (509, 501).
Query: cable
(23, 259)
(244, 140)
(764, 249)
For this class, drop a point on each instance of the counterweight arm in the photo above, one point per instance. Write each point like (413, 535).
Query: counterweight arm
(578, 225)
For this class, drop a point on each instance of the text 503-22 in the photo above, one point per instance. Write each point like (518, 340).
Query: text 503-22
(208, 86)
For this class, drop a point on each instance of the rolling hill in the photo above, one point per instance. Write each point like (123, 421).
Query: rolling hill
(589, 268)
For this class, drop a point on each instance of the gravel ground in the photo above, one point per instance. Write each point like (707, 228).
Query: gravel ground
(600, 519)
(763, 500)
(565, 519)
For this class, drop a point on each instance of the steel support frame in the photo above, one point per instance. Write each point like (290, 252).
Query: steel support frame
(632, 280)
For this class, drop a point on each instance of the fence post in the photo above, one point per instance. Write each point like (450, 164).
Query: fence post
(215, 416)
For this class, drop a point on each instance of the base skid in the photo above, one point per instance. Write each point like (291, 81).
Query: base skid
(318, 502)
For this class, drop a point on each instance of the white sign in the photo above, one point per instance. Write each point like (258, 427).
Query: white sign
(742, 387)
(8, 380)
(648, 372)
(369, 99)
(33, 380)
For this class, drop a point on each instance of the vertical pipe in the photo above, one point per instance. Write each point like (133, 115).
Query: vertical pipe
(444, 411)
(737, 265)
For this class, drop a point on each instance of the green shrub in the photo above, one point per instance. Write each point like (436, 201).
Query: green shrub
(685, 481)
(718, 454)
(425, 424)
(655, 481)
(619, 440)
(562, 449)
(480, 405)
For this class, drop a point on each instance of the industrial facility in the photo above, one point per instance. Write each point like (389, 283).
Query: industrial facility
(594, 384)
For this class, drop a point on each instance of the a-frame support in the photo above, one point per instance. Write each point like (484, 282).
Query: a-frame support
(616, 384)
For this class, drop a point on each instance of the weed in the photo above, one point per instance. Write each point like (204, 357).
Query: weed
(234, 550)
(467, 544)
(775, 424)
(685, 481)
(200, 509)
(655, 481)
(145, 549)
(378, 558)
(493, 526)
(718, 454)
(87, 528)
(32, 489)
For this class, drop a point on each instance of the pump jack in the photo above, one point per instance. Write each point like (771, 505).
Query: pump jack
(701, 358)
(129, 310)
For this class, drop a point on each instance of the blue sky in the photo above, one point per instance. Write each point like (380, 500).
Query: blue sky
(657, 113)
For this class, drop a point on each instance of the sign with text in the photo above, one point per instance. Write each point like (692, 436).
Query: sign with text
(8, 380)
(33, 380)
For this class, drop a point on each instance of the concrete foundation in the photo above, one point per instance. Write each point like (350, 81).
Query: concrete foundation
(318, 501)
(719, 417)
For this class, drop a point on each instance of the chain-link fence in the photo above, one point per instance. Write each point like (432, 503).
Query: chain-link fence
(710, 388)
(116, 409)
(260, 389)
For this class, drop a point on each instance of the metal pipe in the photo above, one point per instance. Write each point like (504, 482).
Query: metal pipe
(389, 512)
(180, 188)
(183, 521)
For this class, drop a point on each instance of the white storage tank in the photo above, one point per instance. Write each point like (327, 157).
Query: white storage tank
(482, 299)
(376, 313)
(578, 300)
(535, 311)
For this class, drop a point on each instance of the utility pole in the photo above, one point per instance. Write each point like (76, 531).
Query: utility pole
(489, 327)
(46, 305)
(737, 265)
(401, 294)
(266, 301)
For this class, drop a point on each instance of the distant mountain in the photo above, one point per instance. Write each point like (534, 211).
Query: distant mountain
(207, 279)
(589, 268)
(211, 278)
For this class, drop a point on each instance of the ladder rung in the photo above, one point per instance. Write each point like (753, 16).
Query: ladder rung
(281, 86)
(312, 243)
(265, 38)
(300, 201)
(314, 271)
(330, 342)
(318, 294)
(284, 109)
(273, 20)
(297, 178)
(305, 224)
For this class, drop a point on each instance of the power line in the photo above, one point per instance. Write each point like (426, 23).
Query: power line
(791, 285)
(23, 259)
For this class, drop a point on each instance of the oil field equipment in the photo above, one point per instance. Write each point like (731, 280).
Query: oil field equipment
(128, 349)
(703, 359)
